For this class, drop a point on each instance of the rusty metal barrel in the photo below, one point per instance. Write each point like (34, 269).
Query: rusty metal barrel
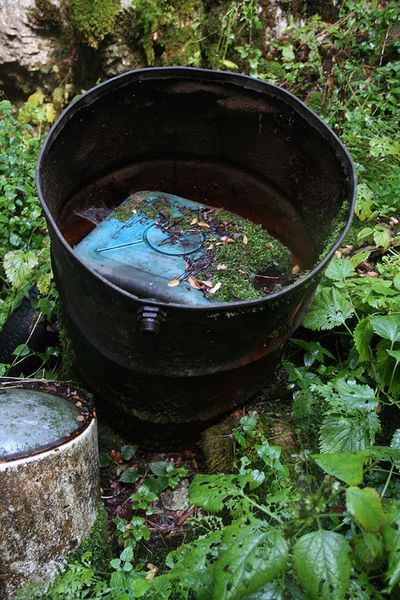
(220, 139)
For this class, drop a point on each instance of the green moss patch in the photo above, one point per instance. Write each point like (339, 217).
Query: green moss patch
(239, 260)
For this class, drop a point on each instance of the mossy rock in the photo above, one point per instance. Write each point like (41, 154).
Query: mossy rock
(222, 455)
(93, 19)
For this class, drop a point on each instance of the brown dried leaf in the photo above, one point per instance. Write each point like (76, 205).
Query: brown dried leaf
(193, 283)
(194, 221)
(245, 239)
(80, 418)
(295, 269)
(207, 283)
(270, 245)
(173, 282)
(202, 224)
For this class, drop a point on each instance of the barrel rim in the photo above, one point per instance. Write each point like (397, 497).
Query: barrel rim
(245, 82)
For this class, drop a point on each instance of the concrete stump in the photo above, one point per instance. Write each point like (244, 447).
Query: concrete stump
(49, 480)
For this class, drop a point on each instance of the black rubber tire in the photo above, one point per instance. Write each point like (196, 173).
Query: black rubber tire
(18, 326)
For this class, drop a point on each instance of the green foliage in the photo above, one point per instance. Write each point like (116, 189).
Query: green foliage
(322, 563)
(93, 19)
(23, 241)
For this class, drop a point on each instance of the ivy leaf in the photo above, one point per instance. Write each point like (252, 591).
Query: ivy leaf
(362, 336)
(339, 433)
(18, 265)
(391, 538)
(250, 556)
(387, 326)
(322, 564)
(366, 507)
(346, 466)
(328, 310)
(339, 268)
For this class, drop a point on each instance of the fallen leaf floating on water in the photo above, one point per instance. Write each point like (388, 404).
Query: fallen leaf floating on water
(173, 283)
(215, 288)
(245, 239)
(295, 269)
(193, 283)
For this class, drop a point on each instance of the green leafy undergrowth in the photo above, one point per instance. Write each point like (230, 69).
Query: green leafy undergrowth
(24, 244)
(334, 536)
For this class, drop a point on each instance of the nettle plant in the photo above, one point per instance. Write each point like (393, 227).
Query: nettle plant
(281, 526)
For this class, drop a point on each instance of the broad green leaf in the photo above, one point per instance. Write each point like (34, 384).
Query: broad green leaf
(36, 99)
(395, 444)
(288, 53)
(364, 202)
(193, 566)
(385, 453)
(362, 335)
(270, 591)
(382, 237)
(158, 467)
(387, 326)
(355, 395)
(127, 554)
(250, 556)
(339, 268)
(346, 466)
(130, 475)
(43, 282)
(50, 112)
(339, 433)
(104, 459)
(391, 538)
(395, 354)
(128, 452)
(357, 258)
(18, 265)
(329, 309)
(210, 492)
(229, 64)
(366, 507)
(322, 564)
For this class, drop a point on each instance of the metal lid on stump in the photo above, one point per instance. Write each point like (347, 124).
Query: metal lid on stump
(31, 420)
